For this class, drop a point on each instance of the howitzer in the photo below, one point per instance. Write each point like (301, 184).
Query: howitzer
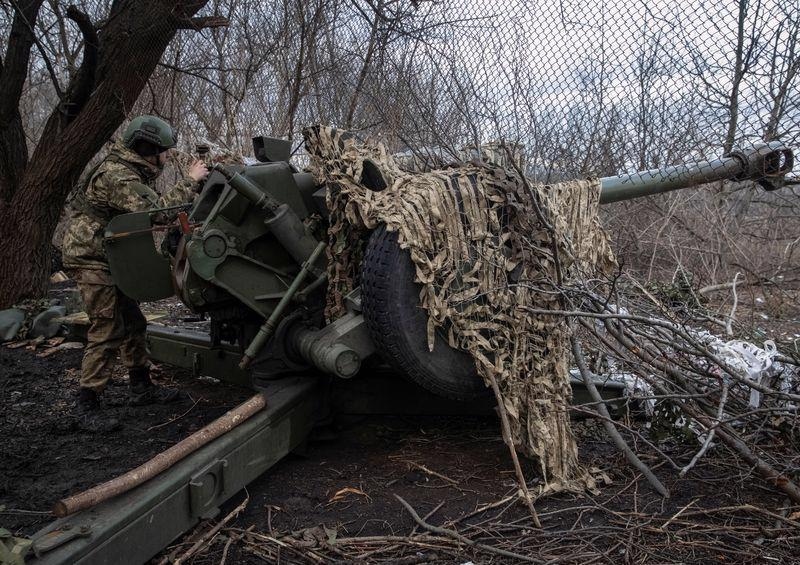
(250, 257)
(256, 267)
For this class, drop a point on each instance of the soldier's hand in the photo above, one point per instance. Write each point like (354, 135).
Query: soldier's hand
(197, 171)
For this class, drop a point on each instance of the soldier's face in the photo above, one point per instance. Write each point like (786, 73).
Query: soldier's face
(163, 157)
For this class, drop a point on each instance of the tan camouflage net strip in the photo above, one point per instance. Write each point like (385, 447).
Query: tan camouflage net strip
(483, 256)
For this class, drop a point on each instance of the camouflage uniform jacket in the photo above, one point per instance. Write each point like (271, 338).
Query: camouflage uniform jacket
(122, 183)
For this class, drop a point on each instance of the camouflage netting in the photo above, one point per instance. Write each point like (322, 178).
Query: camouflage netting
(482, 240)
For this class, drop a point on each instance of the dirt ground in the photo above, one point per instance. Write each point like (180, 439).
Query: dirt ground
(345, 483)
(338, 500)
(345, 489)
(44, 457)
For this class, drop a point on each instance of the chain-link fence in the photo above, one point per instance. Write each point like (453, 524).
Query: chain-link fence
(567, 88)
(583, 88)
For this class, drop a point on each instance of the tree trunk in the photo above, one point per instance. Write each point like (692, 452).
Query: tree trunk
(13, 73)
(25, 254)
(131, 44)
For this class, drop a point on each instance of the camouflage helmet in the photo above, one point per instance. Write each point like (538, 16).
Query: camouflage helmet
(152, 130)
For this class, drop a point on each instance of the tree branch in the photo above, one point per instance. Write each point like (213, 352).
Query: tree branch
(203, 22)
(82, 85)
(463, 539)
(608, 424)
(14, 71)
(48, 64)
(18, 53)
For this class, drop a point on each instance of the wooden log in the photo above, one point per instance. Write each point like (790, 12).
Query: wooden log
(160, 462)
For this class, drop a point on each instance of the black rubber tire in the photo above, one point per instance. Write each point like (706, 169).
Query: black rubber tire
(398, 324)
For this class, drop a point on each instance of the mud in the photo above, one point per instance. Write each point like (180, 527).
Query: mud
(346, 482)
(43, 456)
(346, 478)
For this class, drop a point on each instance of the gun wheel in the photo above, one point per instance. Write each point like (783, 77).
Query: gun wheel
(398, 324)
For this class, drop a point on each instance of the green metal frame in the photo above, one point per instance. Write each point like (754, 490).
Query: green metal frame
(192, 350)
(140, 270)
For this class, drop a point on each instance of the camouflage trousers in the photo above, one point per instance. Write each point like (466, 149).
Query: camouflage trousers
(116, 325)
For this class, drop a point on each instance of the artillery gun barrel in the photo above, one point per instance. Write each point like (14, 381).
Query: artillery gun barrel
(246, 188)
(767, 164)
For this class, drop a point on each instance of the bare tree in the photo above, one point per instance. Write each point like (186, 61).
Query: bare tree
(118, 56)
(784, 67)
(738, 64)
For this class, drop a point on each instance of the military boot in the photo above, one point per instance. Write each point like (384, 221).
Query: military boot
(90, 414)
(144, 391)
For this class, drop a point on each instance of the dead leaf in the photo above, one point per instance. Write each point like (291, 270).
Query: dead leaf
(600, 475)
(34, 343)
(58, 276)
(341, 494)
(61, 347)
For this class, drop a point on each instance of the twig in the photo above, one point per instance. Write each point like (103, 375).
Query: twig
(289, 544)
(24, 512)
(593, 414)
(607, 423)
(506, 431)
(483, 508)
(176, 418)
(723, 398)
(231, 538)
(225, 550)
(428, 515)
(211, 533)
(747, 507)
(681, 511)
(465, 540)
(430, 472)
(724, 286)
(732, 315)
(188, 540)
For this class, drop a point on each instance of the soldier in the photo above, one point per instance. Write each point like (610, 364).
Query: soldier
(121, 183)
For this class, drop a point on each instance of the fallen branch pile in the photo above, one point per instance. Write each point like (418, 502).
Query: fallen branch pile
(715, 395)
